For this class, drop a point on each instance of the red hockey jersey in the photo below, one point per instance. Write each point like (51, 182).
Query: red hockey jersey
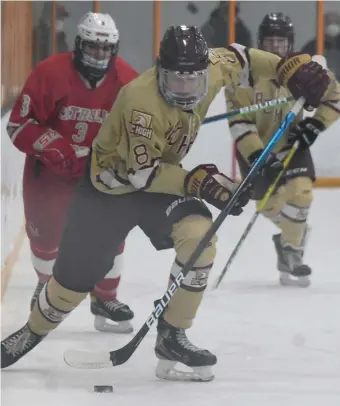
(56, 97)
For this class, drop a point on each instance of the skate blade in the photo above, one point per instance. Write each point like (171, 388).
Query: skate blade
(105, 325)
(287, 279)
(166, 370)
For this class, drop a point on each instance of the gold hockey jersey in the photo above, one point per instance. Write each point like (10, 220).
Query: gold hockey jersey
(144, 139)
(254, 131)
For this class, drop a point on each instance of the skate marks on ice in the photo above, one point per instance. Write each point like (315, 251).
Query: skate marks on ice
(276, 346)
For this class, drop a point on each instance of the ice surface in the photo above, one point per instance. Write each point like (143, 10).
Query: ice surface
(275, 346)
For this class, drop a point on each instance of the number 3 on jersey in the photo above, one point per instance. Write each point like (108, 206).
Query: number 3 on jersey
(81, 132)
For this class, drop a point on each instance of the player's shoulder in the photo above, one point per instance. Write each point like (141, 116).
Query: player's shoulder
(222, 55)
(121, 63)
(143, 89)
(234, 54)
(55, 65)
(122, 71)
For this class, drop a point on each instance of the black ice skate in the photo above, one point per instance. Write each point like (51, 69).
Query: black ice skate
(17, 345)
(111, 316)
(290, 265)
(36, 293)
(173, 346)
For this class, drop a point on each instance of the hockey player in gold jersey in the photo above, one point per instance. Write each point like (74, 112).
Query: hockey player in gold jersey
(288, 208)
(135, 179)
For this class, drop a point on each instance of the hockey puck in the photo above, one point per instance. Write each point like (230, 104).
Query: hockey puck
(103, 388)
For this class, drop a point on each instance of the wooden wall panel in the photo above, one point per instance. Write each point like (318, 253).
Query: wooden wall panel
(16, 48)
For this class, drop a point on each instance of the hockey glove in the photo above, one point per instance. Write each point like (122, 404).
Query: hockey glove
(267, 175)
(205, 182)
(303, 78)
(306, 132)
(57, 154)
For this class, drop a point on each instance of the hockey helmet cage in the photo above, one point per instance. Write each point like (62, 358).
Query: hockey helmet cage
(96, 45)
(182, 66)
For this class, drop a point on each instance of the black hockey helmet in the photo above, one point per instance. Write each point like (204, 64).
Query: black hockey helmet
(276, 25)
(182, 66)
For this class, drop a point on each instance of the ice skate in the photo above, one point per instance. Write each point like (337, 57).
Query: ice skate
(290, 265)
(172, 347)
(17, 345)
(36, 293)
(111, 316)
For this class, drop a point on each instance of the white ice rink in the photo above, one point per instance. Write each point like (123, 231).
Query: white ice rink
(275, 346)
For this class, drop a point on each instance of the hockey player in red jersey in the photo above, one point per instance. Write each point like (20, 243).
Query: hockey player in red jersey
(54, 121)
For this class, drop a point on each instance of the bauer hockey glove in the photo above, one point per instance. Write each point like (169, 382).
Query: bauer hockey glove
(207, 183)
(267, 175)
(303, 77)
(306, 132)
(57, 154)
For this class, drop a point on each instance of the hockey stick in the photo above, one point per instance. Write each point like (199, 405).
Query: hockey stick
(261, 106)
(256, 214)
(249, 109)
(103, 359)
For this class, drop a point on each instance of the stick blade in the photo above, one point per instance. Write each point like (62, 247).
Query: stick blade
(120, 356)
(87, 360)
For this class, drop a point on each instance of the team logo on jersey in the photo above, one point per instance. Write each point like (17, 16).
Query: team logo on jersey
(141, 124)
(215, 57)
(83, 114)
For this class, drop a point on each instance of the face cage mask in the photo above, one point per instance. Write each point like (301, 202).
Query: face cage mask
(276, 45)
(183, 90)
(96, 56)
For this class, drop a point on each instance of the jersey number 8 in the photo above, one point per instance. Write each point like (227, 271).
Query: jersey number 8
(141, 154)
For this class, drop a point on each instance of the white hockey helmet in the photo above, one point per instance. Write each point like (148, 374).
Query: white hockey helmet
(96, 45)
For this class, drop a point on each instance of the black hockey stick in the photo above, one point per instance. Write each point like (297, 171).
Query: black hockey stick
(103, 359)
(249, 109)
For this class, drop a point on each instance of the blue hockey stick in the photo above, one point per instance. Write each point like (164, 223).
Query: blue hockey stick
(104, 359)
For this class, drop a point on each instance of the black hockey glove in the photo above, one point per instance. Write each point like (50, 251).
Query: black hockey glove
(207, 183)
(267, 175)
(306, 132)
(303, 77)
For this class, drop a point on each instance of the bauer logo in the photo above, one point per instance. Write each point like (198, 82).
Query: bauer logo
(141, 124)
(162, 304)
(176, 202)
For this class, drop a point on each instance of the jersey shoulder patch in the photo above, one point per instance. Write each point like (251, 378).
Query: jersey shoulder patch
(221, 55)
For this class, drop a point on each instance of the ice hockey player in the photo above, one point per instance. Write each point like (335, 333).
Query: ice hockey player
(58, 113)
(134, 178)
(288, 208)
